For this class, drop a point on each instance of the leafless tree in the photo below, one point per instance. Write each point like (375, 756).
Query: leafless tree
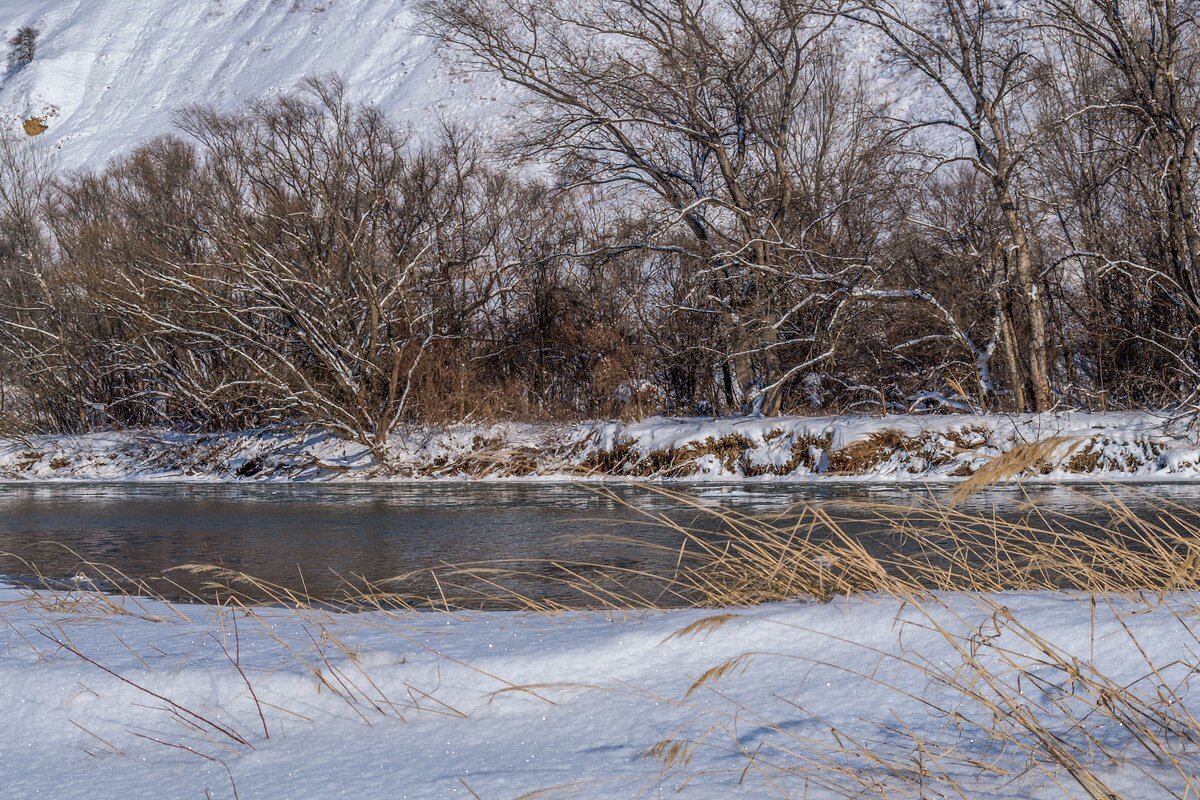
(737, 129)
(975, 57)
(1128, 73)
(37, 346)
(22, 47)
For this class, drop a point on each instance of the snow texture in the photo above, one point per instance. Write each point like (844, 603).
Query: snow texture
(138, 699)
(110, 74)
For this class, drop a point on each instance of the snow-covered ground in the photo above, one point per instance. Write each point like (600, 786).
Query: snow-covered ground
(1115, 446)
(110, 74)
(138, 699)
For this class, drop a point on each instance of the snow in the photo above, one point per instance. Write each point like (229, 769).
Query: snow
(109, 74)
(100, 696)
(1126, 446)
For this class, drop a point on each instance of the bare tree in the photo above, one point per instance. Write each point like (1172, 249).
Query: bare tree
(736, 128)
(22, 48)
(35, 339)
(1136, 101)
(975, 56)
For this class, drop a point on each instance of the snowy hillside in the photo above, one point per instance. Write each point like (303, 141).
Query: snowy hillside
(109, 74)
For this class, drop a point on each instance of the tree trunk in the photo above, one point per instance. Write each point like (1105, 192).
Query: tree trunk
(1013, 357)
(1036, 354)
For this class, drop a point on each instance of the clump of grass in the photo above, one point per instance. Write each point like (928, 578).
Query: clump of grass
(487, 457)
(935, 546)
(612, 460)
(1039, 457)
(624, 458)
(861, 456)
(807, 450)
(1092, 456)
(929, 449)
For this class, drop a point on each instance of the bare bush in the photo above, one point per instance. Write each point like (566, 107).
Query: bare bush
(22, 47)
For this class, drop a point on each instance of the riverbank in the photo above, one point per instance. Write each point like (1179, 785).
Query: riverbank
(1053, 446)
(1014, 695)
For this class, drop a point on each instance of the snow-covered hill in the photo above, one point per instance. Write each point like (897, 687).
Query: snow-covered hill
(109, 74)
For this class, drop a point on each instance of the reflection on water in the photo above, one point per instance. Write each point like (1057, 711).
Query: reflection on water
(327, 532)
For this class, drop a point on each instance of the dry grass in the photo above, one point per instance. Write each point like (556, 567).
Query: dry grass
(624, 458)
(929, 450)
(1017, 710)
(1007, 713)
(858, 458)
(725, 557)
(815, 553)
(1040, 457)
(807, 451)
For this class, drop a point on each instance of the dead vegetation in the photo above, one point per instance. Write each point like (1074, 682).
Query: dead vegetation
(1029, 458)
(279, 453)
(331, 297)
(1020, 715)
(862, 456)
(1024, 711)
(486, 457)
(810, 452)
(625, 458)
(1094, 456)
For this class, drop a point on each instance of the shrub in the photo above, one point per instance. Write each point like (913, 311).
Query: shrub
(22, 47)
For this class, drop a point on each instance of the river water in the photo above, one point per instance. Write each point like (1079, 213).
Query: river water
(316, 536)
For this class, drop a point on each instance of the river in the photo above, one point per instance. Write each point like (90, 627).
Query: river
(316, 536)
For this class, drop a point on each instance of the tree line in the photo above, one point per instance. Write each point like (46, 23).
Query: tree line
(729, 206)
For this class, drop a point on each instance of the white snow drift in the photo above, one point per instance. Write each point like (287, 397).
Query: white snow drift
(137, 699)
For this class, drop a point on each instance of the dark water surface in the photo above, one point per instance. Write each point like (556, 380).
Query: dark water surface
(328, 532)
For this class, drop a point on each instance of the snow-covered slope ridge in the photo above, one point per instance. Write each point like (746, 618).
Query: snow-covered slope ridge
(109, 74)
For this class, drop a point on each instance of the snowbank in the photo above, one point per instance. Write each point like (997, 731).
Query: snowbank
(1116, 446)
(137, 699)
